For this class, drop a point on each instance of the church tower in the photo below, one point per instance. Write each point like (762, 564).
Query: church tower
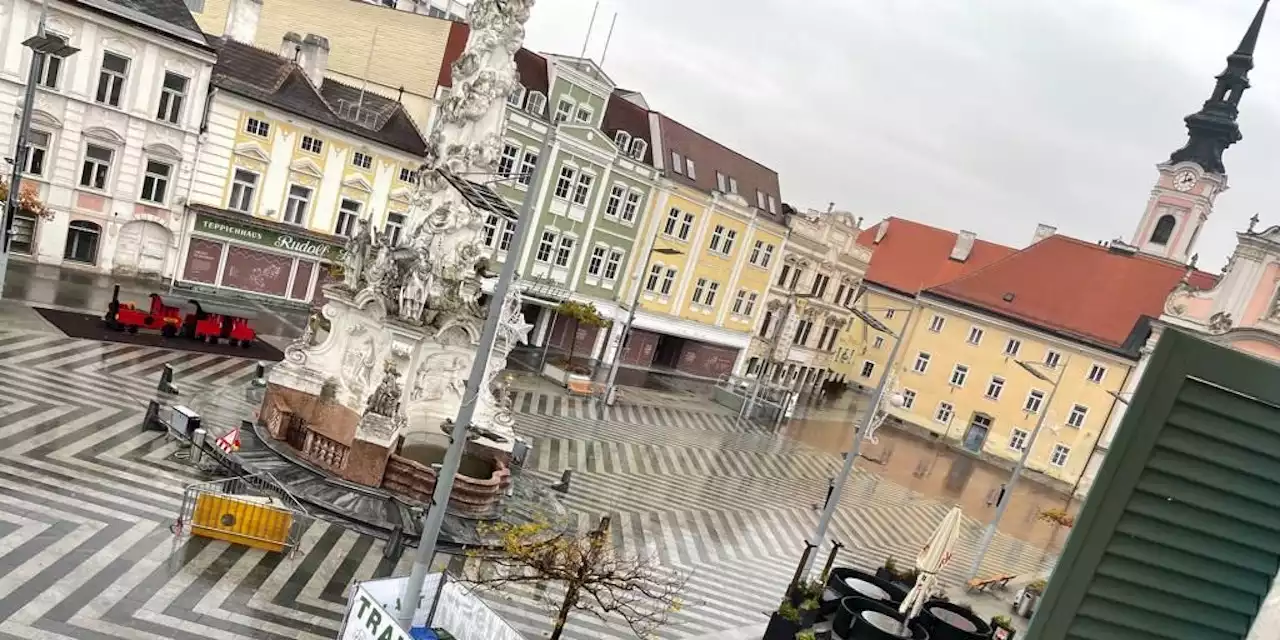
(1193, 177)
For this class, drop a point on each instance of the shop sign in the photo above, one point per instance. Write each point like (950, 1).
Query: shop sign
(268, 238)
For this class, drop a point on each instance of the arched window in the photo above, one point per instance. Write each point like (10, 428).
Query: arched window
(82, 242)
(1164, 230)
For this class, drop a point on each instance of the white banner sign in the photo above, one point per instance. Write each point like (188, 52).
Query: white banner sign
(460, 612)
(367, 619)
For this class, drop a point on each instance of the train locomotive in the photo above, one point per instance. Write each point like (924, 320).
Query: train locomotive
(173, 317)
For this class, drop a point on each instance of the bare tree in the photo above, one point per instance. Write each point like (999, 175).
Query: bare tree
(595, 577)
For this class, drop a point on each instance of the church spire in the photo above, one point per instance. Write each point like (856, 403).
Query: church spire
(1214, 128)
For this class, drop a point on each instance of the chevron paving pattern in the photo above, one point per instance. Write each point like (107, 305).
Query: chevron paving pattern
(86, 499)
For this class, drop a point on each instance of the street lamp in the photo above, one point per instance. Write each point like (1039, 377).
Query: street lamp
(749, 405)
(42, 44)
(610, 389)
(820, 533)
(989, 535)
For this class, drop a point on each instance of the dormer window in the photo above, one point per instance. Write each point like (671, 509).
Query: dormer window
(536, 103)
(733, 185)
(677, 163)
(689, 169)
(564, 110)
(622, 139)
(516, 97)
(722, 182)
(638, 148)
(584, 114)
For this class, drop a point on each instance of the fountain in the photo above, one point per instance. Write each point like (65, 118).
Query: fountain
(415, 308)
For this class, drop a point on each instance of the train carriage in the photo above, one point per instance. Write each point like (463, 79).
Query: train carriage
(165, 314)
(212, 323)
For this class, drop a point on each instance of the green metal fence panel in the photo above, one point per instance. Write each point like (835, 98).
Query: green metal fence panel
(1180, 536)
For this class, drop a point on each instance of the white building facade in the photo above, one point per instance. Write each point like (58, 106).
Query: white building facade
(114, 131)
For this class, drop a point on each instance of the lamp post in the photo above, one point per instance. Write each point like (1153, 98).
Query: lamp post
(820, 533)
(42, 44)
(610, 389)
(990, 533)
(433, 519)
(749, 405)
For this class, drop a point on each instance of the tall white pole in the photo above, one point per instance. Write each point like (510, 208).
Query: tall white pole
(610, 389)
(433, 519)
(820, 533)
(21, 146)
(990, 534)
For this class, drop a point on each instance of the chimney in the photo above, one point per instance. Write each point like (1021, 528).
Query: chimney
(315, 58)
(291, 46)
(881, 230)
(964, 245)
(242, 21)
(1043, 231)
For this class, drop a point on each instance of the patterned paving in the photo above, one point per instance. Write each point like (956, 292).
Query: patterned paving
(86, 498)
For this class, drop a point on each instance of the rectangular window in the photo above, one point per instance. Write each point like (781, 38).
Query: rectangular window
(564, 109)
(739, 301)
(582, 190)
(564, 184)
(1059, 456)
(908, 398)
(878, 343)
(256, 127)
(1052, 358)
(583, 114)
(362, 160)
(655, 274)
(37, 153)
(1077, 417)
(944, 412)
(564, 252)
(155, 182)
(408, 175)
(822, 337)
(312, 145)
(632, 206)
(295, 209)
(755, 252)
(613, 205)
(733, 185)
(172, 94)
(995, 387)
(922, 363)
(889, 313)
(958, 375)
(595, 266)
(751, 304)
(848, 296)
(937, 323)
(975, 336)
(516, 97)
(546, 246)
(673, 219)
(782, 275)
(722, 183)
(243, 186)
(668, 281)
(712, 290)
(97, 166)
(508, 234)
(677, 164)
(689, 169)
(759, 199)
(802, 332)
(686, 225)
(528, 164)
(50, 71)
(613, 265)
(489, 234)
(699, 290)
(111, 79)
(773, 205)
(507, 161)
(717, 236)
(1035, 400)
(839, 293)
(536, 103)
(1018, 440)
(348, 213)
(795, 278)
(768, 255)
(1097, 373)
(764, 324)
(395, 226)
(868, 368)
(1012, 347)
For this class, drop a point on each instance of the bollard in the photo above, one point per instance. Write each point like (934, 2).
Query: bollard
(519, 452)
(563, 485)
(260, 375)
(166, 381)
(151, 422)
(197, 446)
(395, 544)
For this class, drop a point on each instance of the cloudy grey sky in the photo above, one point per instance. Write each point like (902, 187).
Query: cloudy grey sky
(988, 115)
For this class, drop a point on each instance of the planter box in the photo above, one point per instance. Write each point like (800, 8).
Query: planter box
(580, 385)
(781, 628)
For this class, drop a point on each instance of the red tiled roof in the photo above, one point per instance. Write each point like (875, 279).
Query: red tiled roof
(1074, 288)
(912, 257)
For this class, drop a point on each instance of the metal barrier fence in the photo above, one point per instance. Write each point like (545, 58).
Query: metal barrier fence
(254, 511)
(735, 393)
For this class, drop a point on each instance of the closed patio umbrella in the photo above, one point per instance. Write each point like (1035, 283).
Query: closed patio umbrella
(933, 557)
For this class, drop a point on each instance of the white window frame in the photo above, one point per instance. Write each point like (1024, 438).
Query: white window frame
(1097, 373)
(1034, 397)
(565, 181)
(237, 195)
(613, 204)
(773, 205)
(578, 117)
(172, 102)
(864, 373)
(153, 182)
(878, 342)
(489, 233)
(582, 188)
(105, 168)
(34, 150)
(631, 207)
(356, 158)
(47, 70)
(686, 227)
(921, 363)
(528, 165)
(638, 148)
(509, 158)
(975, 335)
(564, 251)
(536, 103)
(347, 217)
(547, 243)
(394, 227)
(1078, 416)
(699, 289)
(677, 162)
(959, 375)
(947, 408)
(595, 263)
(256, 127)
(690, 169)
(292, 211)
(937, 324)
(1012, 347)
(1018, 439)
(1052, 358)
(621, 140)
(739, 301)
(613, 264)
(668, 281)
(995, 388)
(563, 115)
(111, 81)
(909, 398)
(516, 97)
(1060, 455)
(653, 278)
(311, 144)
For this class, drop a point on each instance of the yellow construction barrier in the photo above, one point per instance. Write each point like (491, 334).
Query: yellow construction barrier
(250, 521)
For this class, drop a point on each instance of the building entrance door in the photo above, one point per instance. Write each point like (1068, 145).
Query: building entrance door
(976, 436)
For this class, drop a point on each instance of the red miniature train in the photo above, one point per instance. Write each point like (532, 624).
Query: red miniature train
(174, 317)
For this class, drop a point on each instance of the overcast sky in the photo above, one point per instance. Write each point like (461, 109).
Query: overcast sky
(986, 115)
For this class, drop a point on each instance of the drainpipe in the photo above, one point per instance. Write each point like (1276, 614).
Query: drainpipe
(1105, 425)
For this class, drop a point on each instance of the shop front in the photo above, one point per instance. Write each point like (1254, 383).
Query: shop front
(228, 251)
